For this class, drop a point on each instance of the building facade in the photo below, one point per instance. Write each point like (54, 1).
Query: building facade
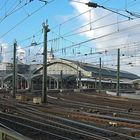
(64, 74)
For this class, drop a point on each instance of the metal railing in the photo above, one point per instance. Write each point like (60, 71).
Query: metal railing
(6, 134)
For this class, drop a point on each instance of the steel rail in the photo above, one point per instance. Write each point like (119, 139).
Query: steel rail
(90, 128)
(65, 132)
(28, 127)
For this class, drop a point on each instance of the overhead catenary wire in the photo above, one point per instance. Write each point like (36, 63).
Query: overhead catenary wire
(70, 19)
(134, 45)
(29, 15)
(25, 39)
(65, 39)
(22, 21)
(128, 18)
(26, 47)
(128, 62)
(115, 12)
(133, 14)
(111, 58)
(95, 5)
(62, 37)
(77, 43)
(114, 38)
(84, 31)
(10, 8)
(89, 23)
(28, 38)
(108, 61)
(103, 36)
(107, 51)
(71, 42)
(14, 10)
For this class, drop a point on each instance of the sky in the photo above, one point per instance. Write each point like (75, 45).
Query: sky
(78, 32)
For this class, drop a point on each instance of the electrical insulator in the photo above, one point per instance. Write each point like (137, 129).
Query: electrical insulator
(91, 4)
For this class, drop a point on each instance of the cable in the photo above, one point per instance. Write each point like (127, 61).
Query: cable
(61, 37)
(22, 21)
(14, 10)
(70, 19)
(115, 12)
(26, 39)
(103, 36)
(114, 38)
(65, 35)
(28, 46)
(95, 5)
(9, 8)
(133, 46)
(133, 14)
(88, 23)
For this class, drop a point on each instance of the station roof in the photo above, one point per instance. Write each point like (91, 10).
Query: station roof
(106, 72)
(57, 76)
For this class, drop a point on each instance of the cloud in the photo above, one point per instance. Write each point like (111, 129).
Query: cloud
(20, 54)
(7, 53)
(5, 56)
(121, 34)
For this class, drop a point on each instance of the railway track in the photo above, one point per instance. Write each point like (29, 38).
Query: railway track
(92, 129)
(45, 129)
(37, 130)
(89, 107)
(31, 131)
(89, 128)
(94, 108)
(101, 99)
(67, 124)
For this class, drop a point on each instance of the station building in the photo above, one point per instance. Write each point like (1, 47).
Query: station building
(65, 74)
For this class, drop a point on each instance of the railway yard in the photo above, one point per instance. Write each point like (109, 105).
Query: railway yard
(72, 116)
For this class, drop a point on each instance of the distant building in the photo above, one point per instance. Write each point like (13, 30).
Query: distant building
(64, 74)
(68, 72)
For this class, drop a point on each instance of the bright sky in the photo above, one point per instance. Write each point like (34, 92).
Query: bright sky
(77, 31)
